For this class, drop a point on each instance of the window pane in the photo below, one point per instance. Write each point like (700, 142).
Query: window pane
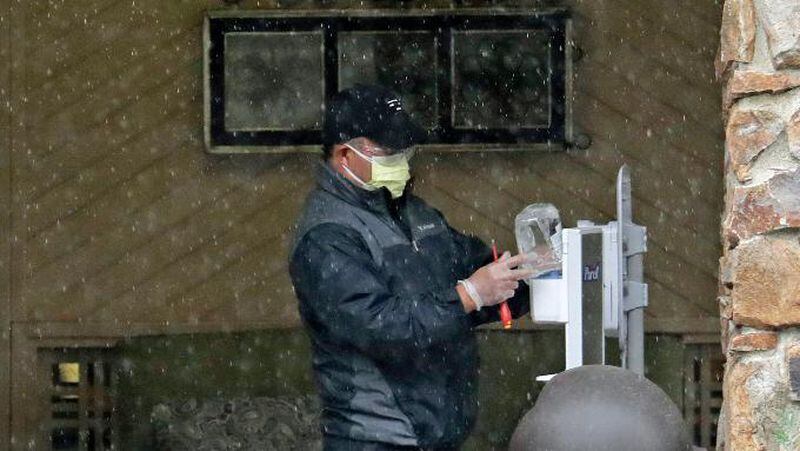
(404, 62)
(273, 81)
(501, 79)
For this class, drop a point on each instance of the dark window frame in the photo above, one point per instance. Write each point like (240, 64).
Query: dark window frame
(440, 23)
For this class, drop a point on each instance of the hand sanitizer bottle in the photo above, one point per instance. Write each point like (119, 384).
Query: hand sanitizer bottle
(538, 232)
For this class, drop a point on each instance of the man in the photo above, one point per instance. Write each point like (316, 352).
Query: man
(388, 291)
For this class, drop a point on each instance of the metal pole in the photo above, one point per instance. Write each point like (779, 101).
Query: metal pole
(635, 352)
(633, 243)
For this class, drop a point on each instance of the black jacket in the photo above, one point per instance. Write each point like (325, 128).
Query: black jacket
(394, 354)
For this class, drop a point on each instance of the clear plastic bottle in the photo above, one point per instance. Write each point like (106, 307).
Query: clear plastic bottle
(538, 232)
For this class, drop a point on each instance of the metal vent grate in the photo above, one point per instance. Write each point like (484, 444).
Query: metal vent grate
(80, 398)
(703, 370)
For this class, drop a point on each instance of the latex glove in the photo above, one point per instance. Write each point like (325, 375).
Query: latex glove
(497, 281)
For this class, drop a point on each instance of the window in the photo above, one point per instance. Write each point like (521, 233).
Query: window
(703, 370)
(80, 395)
(488, 77)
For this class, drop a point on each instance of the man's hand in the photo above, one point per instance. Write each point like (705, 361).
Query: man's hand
(495, 282)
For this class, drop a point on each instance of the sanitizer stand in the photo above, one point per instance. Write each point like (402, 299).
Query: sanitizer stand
(601, 292)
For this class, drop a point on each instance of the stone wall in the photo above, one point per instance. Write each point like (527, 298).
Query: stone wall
(759, 64)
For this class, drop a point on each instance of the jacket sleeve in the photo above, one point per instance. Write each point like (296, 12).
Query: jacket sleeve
(474, 254)
(343, 296)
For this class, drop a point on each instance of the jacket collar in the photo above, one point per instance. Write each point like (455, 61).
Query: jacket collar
(337, 185)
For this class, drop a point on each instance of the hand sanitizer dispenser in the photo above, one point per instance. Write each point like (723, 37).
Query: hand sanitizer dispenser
(588, 279)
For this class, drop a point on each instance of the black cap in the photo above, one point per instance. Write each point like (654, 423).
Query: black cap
(372, 112)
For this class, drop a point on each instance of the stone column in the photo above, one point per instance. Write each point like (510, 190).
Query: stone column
(759, 64)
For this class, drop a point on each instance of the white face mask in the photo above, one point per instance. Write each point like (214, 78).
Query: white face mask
(391, 172)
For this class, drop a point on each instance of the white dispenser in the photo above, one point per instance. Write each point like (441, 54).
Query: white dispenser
(600, 291)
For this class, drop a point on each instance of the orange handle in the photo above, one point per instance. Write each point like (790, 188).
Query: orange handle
(505, 312)
(505, 315)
